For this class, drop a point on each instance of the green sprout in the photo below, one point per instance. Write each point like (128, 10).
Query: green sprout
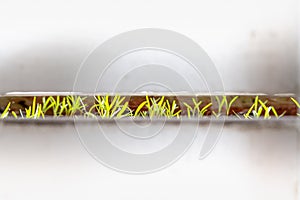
(297, 104)
(107, 106)
(224, 103)
(67, 106)
(195, 111)
(55, 105)
(110, 109)
(258, 107)
(138, 112)
(155, 107)
(170, 110)
(14, 114)
(48, 103)
(158, 107)
(34, 111)
(75, 104)
(5, 112)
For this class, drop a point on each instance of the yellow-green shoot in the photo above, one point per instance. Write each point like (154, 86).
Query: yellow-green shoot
(223, 103)
(158, 107)
(110, 109)
(5, 112)
(259, 107)
(195, 111)
(34, 111)
(155, 107)
(297, 104)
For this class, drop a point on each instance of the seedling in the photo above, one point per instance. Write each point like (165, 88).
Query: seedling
(34, 111)
(158, 107)
(75, 104)
(55, 105)
(138, 111)
(297, 104)
(48, 103)
(254, 110)
(195, 111)
(258, 107)
(224, 103)
(171, 109)
(14, 114)
(5, 112)
(155, 107)
(107, 109)
(106, 106)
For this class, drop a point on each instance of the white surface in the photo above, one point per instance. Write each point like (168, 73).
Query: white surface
(253, 43)
(49, 162)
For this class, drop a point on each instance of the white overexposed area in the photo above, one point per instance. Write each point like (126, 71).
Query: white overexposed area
(252, 43)
(49, 162)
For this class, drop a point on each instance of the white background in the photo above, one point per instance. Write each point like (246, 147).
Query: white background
(249, 162)
(253, 43)
(254, 46)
